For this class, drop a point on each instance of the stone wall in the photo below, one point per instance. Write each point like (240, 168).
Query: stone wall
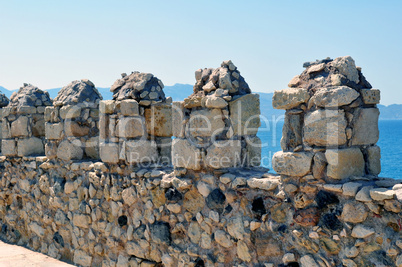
(325, 207)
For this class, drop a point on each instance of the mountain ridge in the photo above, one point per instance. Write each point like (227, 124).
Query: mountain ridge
(180, 91)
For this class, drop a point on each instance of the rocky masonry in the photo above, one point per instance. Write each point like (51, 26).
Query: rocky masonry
(326, 207)
(3, 103)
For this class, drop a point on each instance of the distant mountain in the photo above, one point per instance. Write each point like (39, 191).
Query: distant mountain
(180, 91)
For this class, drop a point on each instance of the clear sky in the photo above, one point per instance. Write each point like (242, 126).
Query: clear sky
(50, 43)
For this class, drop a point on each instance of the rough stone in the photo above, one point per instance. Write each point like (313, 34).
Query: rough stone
(206, 123)
(178, 119)
(361, 231)
(54, 131)
(292, 132)
(77, 92)
(350, 189)
(129, 107)
(215, 102)
(223, 154)
(308, 261)
(19, 127)
(243, 251)
(185, 155)
(380, 194)
(141, 151)
(344, 163)
(365, 126)
(346, 66)
(292, 164)
(370, 96)
(334, 96)
(9, 147)
(109, 152)
(289, 98)
(30, 146)
(28, 95)
(69, 151)
(373, 160)
(354, 212)
(268, 184)
(223, 239)
(130, 127)
(364, 194)
(82, 258)
(244, 114)
(325, 128)
(158, 120)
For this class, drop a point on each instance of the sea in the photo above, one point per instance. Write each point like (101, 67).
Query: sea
(390, 143)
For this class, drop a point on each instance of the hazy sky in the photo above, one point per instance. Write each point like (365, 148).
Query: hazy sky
(51, 43)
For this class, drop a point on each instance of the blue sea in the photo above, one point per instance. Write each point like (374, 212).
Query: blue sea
(390, 141)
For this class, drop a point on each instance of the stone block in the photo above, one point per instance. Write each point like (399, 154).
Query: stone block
(103, 127)
(185, 155)
(290, 98)
(206, 123)
(245, 114)
(178, 119)
(344, 163)
(54, 131)
(158, 120)
(82, 258)
(141, 151)
(334, 96)
(75, 129)
(70, 112)
(30, 146)
(224, 154)
(292, 131)
(373, 160)
(69, 151)
(5, 129)
(38, 127)
(51, 149)
(365, 126)
(370, 96)
(292, 163)
(109, 152)
(130, 127)
(107, 106)
(165, 150)
(51, 114)
(325, 128)
(92, 148)
(129, 107)
(19, 127)
(253, 150)
(9, 147)
(26, 110)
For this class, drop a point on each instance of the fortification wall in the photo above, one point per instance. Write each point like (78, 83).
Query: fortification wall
(321, 209)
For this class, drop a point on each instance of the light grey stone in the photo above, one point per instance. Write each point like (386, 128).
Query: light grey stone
(350, 189)
(244, 114)
(268, 184)
(206, 123)
(344, 163)
(178, 119)
(82, 258)
(253, 150)
(292, 163)
(107, 106)
(370, 96)
(223, 239)
(215, 102)
(130, 127)
(224, 154)
(158, 119)
(69, 151)
(290, 98)
(185, 155)
(54, 130)
(325, 128)
(109, 152)
(373, 160)
(129, 107)
(334, 96)
(365, 126)
(141, 151)
(30, 146)
(308, 261)
(70, 112)
(361, 231)
(9, 147)
(346, 66)
(235, 227)
(380, 194)
(19, 127)
(354, 212)
(364, 194)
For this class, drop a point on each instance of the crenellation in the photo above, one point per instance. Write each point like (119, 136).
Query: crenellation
(103, 195)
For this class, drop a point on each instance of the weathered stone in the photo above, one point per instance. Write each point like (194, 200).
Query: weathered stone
(370, 96)
(37, 229)
(185, 155)
(109, 152)
(308, 261)
(158, 120)
(194, 232)
(141, 151)
(307, 217)
(380, 194)
(70, 112)
(329, 245)
(346, 66)
(107, 106)
(289, 98)
(74, 129)
(244, 114)
(354, 212)
(205, 123)
(54, 131)
(334, 96)
(160, 233)
(344, 163)
(130, 127)
(69, 151)
(319, 165)
(350, 189)
(215, 102)
(393, 206)
(291, 132)
(129, 107)
(364, 194)
(223, 239)
(365, 126)
(82, 258)
(30, 146)
(29, 96)
(178, 119)
(129, 196)
(193, 201)
(361, 231)
(243, 251)
(19, 127)
(139, 249)
(268, 184)
(292, 164)
(9, 147)
(325, 128)
(81, 220)
(351, 252)
(235, 227)
(373, 159)
(224, 154)
(253, 149)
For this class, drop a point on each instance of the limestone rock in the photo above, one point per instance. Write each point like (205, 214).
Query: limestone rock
(82, 258)
(243, 251)
(206, 123)
(380, 194)
(223, 154)
(185, 155)
(344, 163)
(223, 239)
(69, 151)
(141, 151)
(334, 96)
(253, 148)
(365, 126)
(129, 107)
(370, 96)
(373, 160)
(109, 152)
(178, 119)
(268, 184)
(107, 106)
(364, 194)
(346, 66)
(325, 128)
(350, 189)
(77, 92)
(130, 127)
(19, 127)
(9, 147)
(30, 96)
(215, 102)
(244, 114)
(30, 146)
(54, 131)
(289, 98)
(235, 227)
(361, 231)
(354, 212)
(158, 120)
(292, 163)
(308, 261)
(292, 131)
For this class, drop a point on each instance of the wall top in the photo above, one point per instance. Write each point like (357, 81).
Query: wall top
(3, 100)
(77, 92)
(30, 95)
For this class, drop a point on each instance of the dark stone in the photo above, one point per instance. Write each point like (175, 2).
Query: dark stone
(199, 263)
(160, 233)
(324, 198)
(228, 209)
(379, 258)
(3, 100)
(331, 222)
(292, 131)
(139, 232)
(216, 200)
(4, 229)
(307, 217)
(172, 194)
(258, 207)
(77, 92)
(58, 239)
(30, 95)
(282, 228)
(290, 264)
(318, 61)
(122, 220)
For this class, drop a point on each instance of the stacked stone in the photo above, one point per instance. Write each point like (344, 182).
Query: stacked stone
(23, 122)
(72, 124)
(3, 102)
(331, 123)
(135, 127)
(216, 126)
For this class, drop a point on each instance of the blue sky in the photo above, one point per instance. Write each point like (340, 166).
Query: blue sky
(51, 43)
